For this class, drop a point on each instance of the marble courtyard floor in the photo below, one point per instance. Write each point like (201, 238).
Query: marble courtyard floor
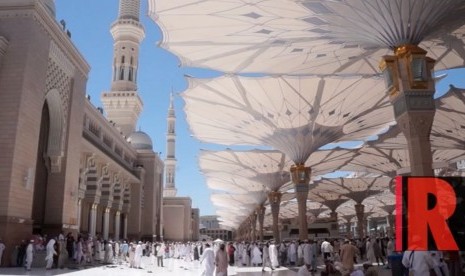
(172, 267)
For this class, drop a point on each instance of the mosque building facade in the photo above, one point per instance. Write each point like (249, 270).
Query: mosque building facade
(65, 166)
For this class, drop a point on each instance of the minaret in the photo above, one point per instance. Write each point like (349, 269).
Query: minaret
(123, 104)
(170, 160)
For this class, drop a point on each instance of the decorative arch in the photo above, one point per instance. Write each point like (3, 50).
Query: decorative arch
(56, 130)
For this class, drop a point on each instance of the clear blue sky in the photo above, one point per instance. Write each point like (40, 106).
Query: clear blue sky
(89, 23)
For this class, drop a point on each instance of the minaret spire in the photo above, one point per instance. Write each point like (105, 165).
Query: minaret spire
(123, 104)
(170, 161)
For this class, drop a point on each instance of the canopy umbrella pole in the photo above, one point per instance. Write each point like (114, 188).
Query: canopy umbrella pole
(410, 83)
(301, 179)
(261, 218)
(360, 213)
(254, 226)
(275, 202)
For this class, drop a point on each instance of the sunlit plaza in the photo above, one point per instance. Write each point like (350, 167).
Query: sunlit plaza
(136, 132)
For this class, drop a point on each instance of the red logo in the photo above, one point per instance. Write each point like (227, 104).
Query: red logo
(430, 213)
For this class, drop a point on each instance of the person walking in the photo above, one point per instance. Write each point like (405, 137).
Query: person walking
(29, 255)
(221, 260)
(256, 255)
(138, 255)
(207, 261)
(377, 252)
(50, 253)
(231, 251)
(266, 257)
(160, 251)
(273, 250)
(326, 249)
(348, 252)
(417, 262)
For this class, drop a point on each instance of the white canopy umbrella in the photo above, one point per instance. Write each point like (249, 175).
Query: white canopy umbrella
(291, 114)
(389, 154)
(308, 37)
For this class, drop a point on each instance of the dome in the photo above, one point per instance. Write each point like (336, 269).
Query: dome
(140, 141)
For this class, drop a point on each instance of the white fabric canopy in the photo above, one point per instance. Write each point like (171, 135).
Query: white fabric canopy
(448, 131)
(357, 189)
(292, 114)
(246, 170)
(389, 154)
(308, 37)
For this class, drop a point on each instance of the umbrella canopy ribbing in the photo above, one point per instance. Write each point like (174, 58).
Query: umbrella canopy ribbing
(291, 114)
(308, 37)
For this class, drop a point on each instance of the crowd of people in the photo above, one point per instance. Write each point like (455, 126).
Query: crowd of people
(70, 251)
(333, 257)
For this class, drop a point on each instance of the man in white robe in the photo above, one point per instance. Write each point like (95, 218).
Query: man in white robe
(292, 253)
(307, 253)
(313, 252)
(50, 252)
(208, 261)
(138, 255)
(418, 262)
(256, 255)
(29, 255)
(273, 255)
(108, 257)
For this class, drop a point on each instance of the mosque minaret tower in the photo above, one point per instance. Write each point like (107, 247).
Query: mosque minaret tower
(170, 160)
(123, 104)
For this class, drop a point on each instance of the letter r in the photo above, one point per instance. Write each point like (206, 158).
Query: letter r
(419, 217)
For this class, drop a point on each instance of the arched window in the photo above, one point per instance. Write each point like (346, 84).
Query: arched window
(122, 60)
(121, 73)
(130, 74)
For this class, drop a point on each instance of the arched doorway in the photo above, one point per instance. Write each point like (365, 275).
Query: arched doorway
(48, 158)
(41, 177)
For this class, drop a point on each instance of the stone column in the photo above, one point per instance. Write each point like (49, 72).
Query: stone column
(333, 215)
(275, 202)
(254, 227)
(250, 225)
(125, 226)
(79, 211)
(106, 223)
(360, 213)
(411, 91)
(301, 177)
(93, 220)
(302, 196)
(261, 219)
(117, 225)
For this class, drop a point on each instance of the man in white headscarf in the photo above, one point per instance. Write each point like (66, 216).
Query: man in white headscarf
(29, 255)
(138, 255)
(418, 262)
(208, 261)
(50, 252)
(256, 255)
(273, 254)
